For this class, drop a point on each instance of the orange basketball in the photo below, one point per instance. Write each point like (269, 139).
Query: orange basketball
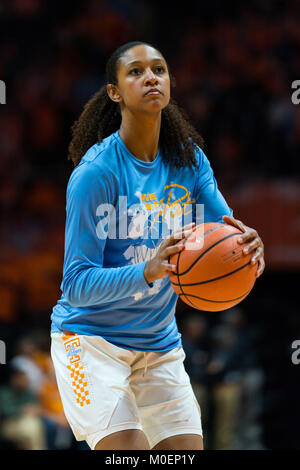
(212, 272)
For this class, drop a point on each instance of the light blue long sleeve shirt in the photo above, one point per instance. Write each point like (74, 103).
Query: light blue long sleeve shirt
(119, 208)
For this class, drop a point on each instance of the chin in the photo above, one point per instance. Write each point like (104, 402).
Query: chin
(154, 106)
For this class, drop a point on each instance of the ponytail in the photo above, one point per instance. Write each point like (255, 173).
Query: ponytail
(100, 118)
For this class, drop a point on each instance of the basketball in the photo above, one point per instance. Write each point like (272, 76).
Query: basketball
(212, 272)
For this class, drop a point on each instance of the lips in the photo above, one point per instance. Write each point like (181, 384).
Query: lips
(153, 91)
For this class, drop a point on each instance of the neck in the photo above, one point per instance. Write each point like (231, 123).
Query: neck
(140, 134)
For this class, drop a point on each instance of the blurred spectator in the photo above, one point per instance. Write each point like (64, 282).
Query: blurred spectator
(236, 382)
(58, 432)
(20, 413)
(33, 359)
(224, 371)
(195, 345)
(26, 361)
(249, 430)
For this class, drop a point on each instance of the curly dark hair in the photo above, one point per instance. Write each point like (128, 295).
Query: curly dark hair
(101, 117)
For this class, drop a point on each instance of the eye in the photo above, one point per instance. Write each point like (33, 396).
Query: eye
(135, 71)
(160, 69)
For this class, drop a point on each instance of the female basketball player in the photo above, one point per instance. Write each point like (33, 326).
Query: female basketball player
(115, 344)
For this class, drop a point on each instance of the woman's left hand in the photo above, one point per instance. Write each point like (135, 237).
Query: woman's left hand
(256, 244)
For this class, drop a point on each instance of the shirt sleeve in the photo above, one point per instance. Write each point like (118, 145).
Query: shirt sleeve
(85, 281)
(206, 192)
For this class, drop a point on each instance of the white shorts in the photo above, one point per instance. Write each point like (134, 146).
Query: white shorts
(105, 389)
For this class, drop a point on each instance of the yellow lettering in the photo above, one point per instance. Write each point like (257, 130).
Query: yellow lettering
(176, 207)
(178, 210)
(185, 208)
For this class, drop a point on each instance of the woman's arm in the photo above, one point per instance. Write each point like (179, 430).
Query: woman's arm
(85, 281)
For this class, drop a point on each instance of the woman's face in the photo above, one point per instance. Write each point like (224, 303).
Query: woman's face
(141, 69)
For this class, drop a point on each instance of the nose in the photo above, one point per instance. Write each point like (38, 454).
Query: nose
(150, 78)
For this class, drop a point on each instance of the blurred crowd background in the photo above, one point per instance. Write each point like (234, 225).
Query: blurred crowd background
(234, 64)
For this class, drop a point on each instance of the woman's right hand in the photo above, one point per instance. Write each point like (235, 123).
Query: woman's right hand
(159, 266)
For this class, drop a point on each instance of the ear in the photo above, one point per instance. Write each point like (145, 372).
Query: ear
(113, 93)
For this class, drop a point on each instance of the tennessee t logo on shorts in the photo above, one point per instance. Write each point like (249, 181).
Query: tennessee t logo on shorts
(79, 383)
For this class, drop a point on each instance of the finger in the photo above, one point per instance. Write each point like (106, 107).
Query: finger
(249, 234)
(170, 250)
(235, 222)
(261, 267)
(179, 234)
(228, 217)
(258, 255)
(252, 246)
(185, 228)
(168, 266)
(189, 225)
